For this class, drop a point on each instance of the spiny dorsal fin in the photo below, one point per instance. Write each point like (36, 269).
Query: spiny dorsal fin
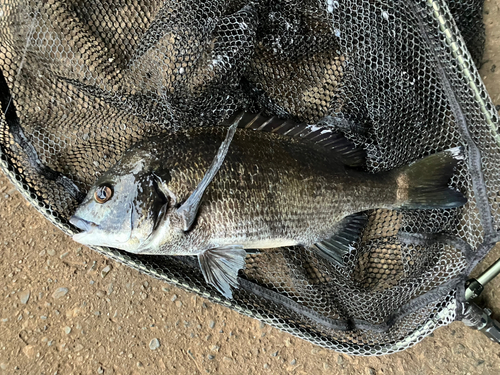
(340, 243)
(220, 267)
(348, 153)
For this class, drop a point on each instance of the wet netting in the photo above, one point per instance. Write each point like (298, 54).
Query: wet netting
(83, 80)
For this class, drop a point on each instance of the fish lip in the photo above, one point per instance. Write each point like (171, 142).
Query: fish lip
(82, 224)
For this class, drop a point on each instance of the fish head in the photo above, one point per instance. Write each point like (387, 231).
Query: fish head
(122, 209)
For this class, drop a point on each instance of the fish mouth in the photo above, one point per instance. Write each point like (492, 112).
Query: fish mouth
(84, 225)
(92, 234)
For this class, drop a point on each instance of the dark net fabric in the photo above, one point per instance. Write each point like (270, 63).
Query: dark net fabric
(83, 80)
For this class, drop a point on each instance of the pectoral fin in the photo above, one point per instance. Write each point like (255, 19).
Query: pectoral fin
(189, 209)
(334, 248)
(220, 267)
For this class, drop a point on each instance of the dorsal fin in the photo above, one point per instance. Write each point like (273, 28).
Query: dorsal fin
(348, 153)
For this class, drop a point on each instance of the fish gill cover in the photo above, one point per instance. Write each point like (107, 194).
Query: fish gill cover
(83, 81)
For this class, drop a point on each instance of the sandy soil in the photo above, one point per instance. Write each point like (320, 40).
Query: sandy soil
(68, 310)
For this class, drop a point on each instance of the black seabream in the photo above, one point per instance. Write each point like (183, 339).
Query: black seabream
(214, 192)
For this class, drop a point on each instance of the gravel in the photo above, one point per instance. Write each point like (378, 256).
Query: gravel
(60, 292)
(24, 296)
(105, 271)
(154, 344)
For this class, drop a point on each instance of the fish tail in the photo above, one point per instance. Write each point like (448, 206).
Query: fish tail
(424, 183)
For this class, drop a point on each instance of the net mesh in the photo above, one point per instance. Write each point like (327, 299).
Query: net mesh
(82, 81)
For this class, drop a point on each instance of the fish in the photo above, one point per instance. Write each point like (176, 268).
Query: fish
(259, 183)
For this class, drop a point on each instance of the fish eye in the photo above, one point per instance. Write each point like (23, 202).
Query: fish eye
(103, 194)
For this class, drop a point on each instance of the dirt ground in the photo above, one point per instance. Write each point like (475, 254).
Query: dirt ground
(68, 310)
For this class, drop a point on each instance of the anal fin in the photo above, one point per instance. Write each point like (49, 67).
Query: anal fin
(220, 267)
(340, 243)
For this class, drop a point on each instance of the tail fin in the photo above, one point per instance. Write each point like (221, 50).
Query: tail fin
(424, 183)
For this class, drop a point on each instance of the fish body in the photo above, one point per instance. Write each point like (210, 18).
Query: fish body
(270, 190)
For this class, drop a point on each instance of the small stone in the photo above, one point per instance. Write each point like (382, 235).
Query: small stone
(24, 296)
(154, 344)
(178, 304)
(60, 292)
(78, 347)
(174, 297)
(139, 365)
(266, 366)
(340, 359)
(326, 366)
(227, 359)
(262, 325)
(215, 348)
(210, 356)
(211, 324)
(370, 371)
(165, 289)
(100, 370)
(51, 252)
(3, 366)
(109, 289)
(293, 362)
(274, 354)
(67, 330)
(480, 362)
(105, 271)
(315, 351)
(97, 313)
